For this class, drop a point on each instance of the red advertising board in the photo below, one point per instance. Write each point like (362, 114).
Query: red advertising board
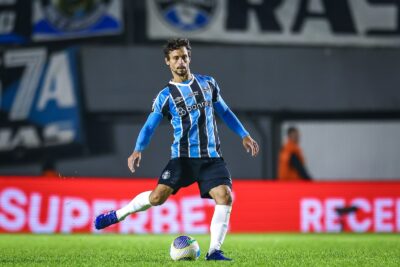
(43, 205)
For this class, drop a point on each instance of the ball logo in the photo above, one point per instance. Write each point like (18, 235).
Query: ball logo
(166, 175)
(187, 15)
(74, 15)
(181, 112)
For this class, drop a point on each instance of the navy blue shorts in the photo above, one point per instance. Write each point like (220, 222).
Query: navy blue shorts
(207, 172)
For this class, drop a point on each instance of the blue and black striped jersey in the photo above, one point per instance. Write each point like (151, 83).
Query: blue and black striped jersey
(189, 107)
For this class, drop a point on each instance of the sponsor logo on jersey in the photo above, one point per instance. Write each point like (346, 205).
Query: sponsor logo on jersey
(187, 15)
(182, 112)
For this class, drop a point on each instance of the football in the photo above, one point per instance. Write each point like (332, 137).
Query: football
(184, 248)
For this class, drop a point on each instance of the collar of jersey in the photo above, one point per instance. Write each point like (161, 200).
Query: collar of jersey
(187, 82)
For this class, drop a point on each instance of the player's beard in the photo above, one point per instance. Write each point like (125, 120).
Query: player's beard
(182, 72)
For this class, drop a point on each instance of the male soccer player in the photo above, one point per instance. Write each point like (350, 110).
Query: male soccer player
(189, 101)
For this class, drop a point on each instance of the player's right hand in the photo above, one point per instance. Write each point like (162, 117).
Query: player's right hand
(133, 160)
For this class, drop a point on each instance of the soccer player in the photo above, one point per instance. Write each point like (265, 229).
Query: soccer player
(190, 102)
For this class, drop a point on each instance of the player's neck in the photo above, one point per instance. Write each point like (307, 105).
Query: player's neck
(181, 79)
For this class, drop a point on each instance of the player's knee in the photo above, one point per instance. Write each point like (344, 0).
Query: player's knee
(157, 199)
(227, 199)
(223, 197)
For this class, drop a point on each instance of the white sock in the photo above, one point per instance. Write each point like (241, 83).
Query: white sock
(140, 203)
(219, 226)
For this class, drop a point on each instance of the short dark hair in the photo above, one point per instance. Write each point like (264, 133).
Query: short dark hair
(291, 130)
(173, 44)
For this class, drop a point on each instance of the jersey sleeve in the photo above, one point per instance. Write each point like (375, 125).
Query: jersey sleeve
(230, 119)
(216, 92)
(225, 113)
(159, 109)
(161, 103)
(147, 131)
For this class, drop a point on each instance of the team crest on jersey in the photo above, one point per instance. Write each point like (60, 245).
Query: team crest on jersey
(187, 15)
(166, 175)
(206, 89)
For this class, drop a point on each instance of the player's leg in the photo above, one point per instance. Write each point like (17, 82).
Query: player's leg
(141, 202)
(219, 224)
(169, 183)
(215, 183)
(145, 200)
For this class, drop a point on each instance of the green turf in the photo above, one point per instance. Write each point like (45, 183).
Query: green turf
(247, 250)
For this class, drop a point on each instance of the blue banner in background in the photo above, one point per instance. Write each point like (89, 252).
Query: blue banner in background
(40, 100)
(55, 20)
(14, 21)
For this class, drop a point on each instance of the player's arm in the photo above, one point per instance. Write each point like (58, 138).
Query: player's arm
(230, 119)
(144, 138)
(159, 109)
(147, 131)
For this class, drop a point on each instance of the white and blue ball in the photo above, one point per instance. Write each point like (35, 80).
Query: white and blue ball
(184, 248)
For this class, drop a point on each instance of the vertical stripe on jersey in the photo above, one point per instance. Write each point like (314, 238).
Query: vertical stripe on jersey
(212, 152)
(213, 143)
(185, 120)
(215, 96)
(194, 148)
(177, 126)
(201, 122)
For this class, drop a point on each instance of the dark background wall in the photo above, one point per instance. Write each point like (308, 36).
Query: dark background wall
(251, 78)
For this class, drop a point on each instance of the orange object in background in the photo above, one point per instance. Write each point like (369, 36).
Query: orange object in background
(291, 160)
(50, 174)
(285, 171)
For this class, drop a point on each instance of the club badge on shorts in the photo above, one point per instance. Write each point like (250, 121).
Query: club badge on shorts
(166, 175)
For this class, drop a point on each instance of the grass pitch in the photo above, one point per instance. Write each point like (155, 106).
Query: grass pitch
(245, 249)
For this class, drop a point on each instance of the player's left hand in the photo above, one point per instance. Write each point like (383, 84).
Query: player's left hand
(250, 145)
(133, 160)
